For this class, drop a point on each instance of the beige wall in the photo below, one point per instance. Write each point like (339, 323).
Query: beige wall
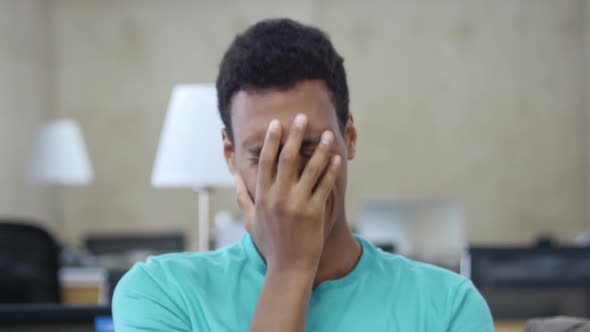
(586, 87)
(24, 103)
(478, 100)
(116, 64)
(481, 101)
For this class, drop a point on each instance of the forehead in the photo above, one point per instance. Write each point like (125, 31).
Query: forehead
(252, 111)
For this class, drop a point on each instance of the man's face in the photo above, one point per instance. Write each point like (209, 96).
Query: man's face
(251, 113)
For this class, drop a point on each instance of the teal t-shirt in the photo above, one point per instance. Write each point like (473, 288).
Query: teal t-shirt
(217, 291)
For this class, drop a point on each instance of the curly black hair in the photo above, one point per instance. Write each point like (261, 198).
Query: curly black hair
(277, 54)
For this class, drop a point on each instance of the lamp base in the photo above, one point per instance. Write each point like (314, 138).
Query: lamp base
(203, 226)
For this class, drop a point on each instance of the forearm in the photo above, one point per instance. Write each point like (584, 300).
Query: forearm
(286, 221)
(283, 302)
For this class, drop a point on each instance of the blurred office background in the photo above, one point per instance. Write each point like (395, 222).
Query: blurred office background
(484, 104)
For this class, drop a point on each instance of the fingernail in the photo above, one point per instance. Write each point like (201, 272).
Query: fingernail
(336, 160)
(300, 120)
(327, 137)
(274, 126)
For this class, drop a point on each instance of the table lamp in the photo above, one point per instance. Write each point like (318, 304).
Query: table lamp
(60, 157)
(190, 152)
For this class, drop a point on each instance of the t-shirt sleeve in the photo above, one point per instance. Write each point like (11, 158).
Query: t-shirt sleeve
(141, 303)
(470, 312)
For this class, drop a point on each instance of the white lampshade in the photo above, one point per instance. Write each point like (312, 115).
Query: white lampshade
(60, 156)
(190, 153)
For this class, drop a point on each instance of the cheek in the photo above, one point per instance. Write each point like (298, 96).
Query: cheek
(342, 175)
(250, 174)
(340, 186)
(248, 171)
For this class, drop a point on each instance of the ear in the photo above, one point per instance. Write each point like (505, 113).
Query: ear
(350, 137)
(228, 151)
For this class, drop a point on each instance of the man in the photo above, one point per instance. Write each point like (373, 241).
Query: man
(283, 98)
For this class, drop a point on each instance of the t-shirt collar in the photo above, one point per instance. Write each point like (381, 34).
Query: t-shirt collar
(362, 266)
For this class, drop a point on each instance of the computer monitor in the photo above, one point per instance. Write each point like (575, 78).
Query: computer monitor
(526, 282)
(427, 230)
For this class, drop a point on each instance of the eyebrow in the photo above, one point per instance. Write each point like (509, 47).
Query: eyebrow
(305, 143)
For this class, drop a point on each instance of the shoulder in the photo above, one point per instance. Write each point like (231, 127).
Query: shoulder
(406, 270)
(195, 261)
(434, 280)
(159, 294)
(443, 291)
(423, 272)
(174, 270)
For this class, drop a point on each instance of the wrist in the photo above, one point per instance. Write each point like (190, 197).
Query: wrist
(301, 268)
(302, 277)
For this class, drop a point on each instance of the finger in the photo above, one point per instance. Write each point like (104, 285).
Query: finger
(317, 164)
(289, 157)
(268, 157)
(244, 202)
(328, 180)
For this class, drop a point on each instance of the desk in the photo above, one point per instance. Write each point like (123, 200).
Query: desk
(50, 317)
(509, 326)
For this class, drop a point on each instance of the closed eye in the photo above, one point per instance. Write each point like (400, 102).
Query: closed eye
(254, 158)
(308, 147)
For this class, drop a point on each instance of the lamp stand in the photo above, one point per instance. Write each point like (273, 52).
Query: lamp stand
(203, 198)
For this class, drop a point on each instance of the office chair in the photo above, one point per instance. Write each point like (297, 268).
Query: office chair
(29, 263)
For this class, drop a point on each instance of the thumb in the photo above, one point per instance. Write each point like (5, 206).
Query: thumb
(244, 202)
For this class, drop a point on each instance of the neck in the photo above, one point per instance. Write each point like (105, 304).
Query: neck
(340, 255)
